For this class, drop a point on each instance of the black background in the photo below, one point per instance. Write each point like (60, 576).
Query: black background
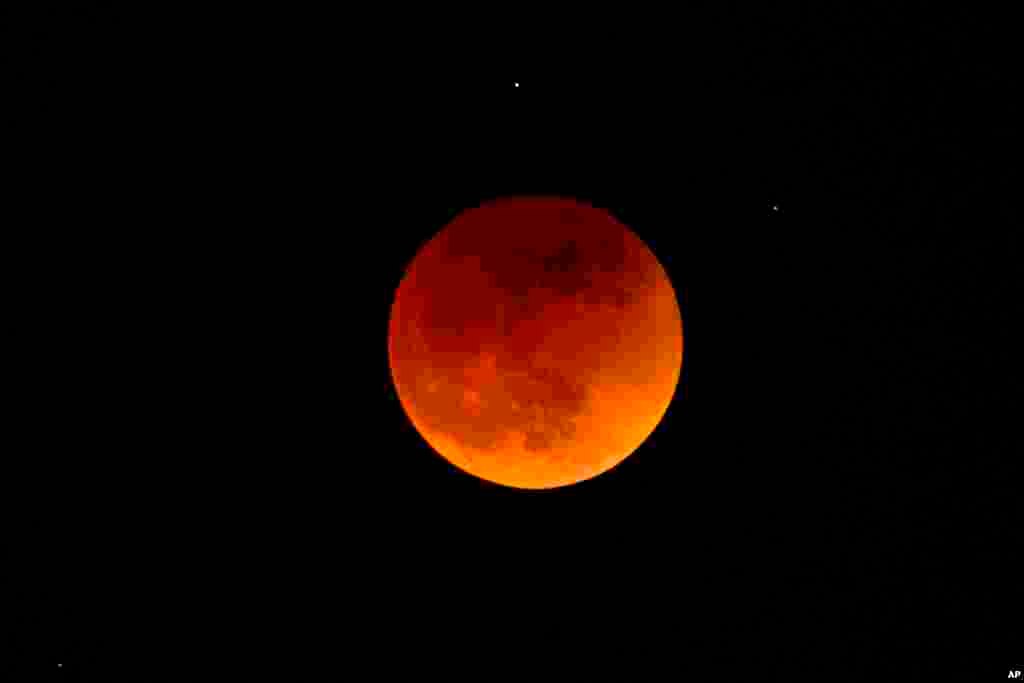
(209, 474)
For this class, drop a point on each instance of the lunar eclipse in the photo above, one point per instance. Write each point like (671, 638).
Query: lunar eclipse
(535, 342)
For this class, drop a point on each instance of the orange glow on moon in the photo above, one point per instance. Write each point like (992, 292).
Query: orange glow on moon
(535, 342)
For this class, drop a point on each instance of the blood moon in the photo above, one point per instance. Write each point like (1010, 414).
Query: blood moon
(535, 342)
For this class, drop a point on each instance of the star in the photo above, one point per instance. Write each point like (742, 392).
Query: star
(516, 84)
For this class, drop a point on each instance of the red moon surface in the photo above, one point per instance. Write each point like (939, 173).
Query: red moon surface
(535, 342)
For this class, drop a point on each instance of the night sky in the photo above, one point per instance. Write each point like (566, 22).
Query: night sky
(216, 480)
